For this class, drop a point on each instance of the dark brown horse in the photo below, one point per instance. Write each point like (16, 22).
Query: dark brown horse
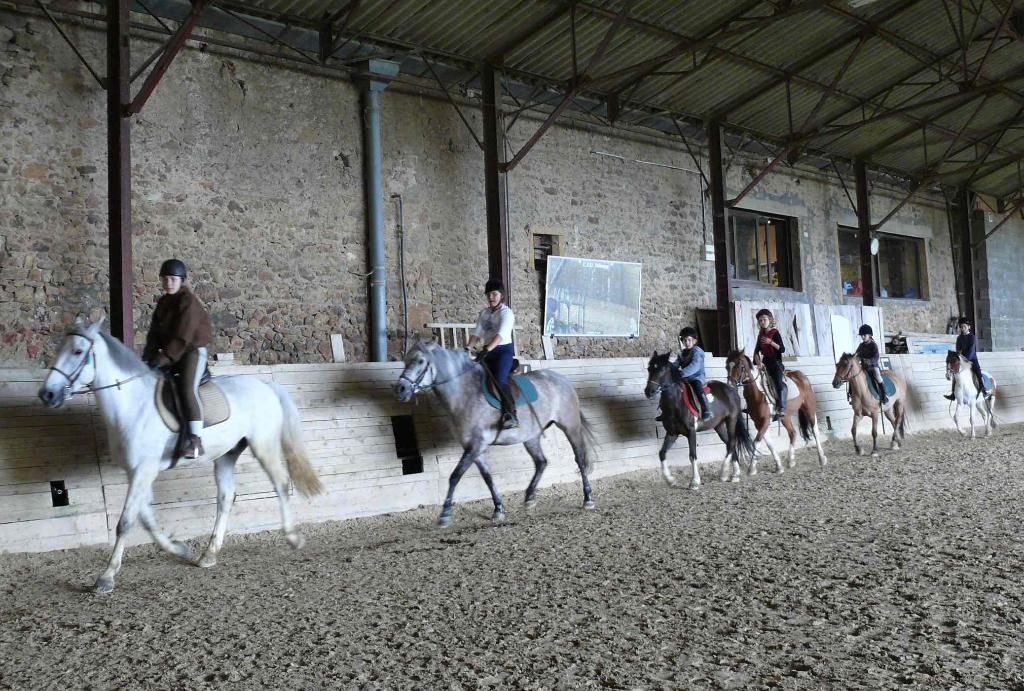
(726, 419)
(802, 402)
(849, 371)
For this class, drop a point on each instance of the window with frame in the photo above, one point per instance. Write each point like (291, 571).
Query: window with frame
(900, 266)
(762, 248)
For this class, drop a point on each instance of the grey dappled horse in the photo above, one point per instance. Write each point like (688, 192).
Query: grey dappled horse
(263, 418)
(458, 382)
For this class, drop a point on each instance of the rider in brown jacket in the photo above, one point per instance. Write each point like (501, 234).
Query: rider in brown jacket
(177, 341)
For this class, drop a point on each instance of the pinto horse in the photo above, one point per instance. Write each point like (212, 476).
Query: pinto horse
(458, 382)
(865, 403)
(966, 393)
(263, 418)
(726, 419)
(802, 401)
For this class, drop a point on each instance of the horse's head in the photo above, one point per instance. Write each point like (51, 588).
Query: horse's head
(74, 364)
(739, 368)
(952, 364)
(420, 370)
(845, 370)
(659, 373)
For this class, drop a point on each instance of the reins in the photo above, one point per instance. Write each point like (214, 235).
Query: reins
(73, 377)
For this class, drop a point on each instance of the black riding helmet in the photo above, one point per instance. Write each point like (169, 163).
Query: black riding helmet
(174, 267)
(494, 284)
(865, 330)
(964, 320)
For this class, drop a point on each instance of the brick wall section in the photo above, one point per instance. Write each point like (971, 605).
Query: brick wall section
(253, 175)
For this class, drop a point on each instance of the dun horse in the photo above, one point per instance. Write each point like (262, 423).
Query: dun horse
(263, 418)
(459, 384)
(865, 403)
(966, 393)
(726, 419)
(803, 402)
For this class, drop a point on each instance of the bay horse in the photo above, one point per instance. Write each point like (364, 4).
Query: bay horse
(966, 393)
(458, 382)
(263, 417)
(801, 401)
(865, 404)
(663, 380)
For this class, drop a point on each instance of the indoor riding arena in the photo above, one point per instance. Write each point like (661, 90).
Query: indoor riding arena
(356, 197)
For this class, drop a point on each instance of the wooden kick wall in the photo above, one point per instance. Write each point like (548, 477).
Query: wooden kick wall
(347, 412)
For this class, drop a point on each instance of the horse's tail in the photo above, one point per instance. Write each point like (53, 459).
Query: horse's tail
(300, 470)
(745, 449)
(589, 442)
(806, 423)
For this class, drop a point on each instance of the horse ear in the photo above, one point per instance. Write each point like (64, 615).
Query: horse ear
(655, 353)
(94, 328)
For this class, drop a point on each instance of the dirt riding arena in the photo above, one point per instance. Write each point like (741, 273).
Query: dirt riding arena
(903, 570)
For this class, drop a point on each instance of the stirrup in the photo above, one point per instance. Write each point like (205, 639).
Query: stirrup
(194, 447)
(509, 422)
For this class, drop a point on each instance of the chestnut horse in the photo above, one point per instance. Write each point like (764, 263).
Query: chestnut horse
(849, 371)
(741, 372)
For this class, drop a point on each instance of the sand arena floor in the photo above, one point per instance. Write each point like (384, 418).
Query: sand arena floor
(901, 571)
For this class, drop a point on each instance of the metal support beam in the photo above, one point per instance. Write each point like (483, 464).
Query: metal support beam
(759, 177)
(722, 291)
(119, 171)
(378, 73)
(964, 205)
(867, 274)
(174, 46)
(494, 179)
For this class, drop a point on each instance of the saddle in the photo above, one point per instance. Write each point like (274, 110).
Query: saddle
(688, 394)
(523, 390)
(890, 387)
(214, 402)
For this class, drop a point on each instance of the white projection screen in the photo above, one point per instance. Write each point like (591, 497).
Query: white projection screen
(592, 297)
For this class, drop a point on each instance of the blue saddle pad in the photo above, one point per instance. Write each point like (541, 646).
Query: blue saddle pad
(527, 392)
(890, 387)
(987, 380)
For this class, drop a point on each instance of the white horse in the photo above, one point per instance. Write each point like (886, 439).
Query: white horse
(966, 393)
(263, 417)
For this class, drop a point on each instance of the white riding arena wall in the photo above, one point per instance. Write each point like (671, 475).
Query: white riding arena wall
(346, 411)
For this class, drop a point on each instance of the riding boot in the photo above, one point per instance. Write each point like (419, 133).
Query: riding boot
(194, 447)
(509, 418)
(951, 396)
(780, 408)
(705, 406)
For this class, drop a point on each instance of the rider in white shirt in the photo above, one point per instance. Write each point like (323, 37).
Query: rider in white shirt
(494, 330)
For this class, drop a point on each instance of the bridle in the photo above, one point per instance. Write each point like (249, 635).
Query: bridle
(417, 384)
(77, 372)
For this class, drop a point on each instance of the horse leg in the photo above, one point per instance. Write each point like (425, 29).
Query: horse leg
(485, 472)
(579, 449)
(691, 438)
(972, 405)
(875, 416)
(140, 488)
(540, 462)
(762, 435)
(822, 458)
(224, 471)
(956, 417)
(731, 454)
(853, 431)
(893, 416)
(445, 519)
(178, 549)
(666, 473)
(271, 458)
(787, 422)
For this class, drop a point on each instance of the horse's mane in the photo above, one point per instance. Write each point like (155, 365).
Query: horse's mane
(124, 357)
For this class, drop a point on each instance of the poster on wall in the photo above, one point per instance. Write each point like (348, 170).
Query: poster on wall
(592, 297)
(793, 319)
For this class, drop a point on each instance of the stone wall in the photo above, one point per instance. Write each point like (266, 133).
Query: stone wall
(998, 263)
(253, 175)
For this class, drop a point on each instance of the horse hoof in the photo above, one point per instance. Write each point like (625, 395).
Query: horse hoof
(895, 447)
(296, 540)
(823, 461)
(694, 486)
(780, 469)
(444, 521)
(531, 505)
(207, 561)
(874, 454)
(104, 585)
(589, 505)
(498, 517)
(734, 479)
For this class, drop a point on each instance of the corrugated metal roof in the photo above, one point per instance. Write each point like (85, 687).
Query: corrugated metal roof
(733, 59)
